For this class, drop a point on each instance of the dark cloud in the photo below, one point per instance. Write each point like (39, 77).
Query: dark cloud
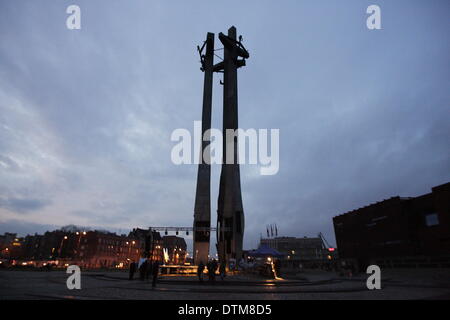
(22, 228)
(23, 205)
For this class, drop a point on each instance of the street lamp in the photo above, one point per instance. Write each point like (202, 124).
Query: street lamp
(130, 244)
(61, 245)
(79, 241)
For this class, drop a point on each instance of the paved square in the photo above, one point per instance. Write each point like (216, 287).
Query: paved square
(396, 284)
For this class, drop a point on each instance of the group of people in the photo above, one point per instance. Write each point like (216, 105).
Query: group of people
(146, 269)
(211, 267)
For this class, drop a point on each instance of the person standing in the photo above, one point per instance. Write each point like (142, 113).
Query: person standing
(132, 270)
(148, 270)
(155, 271)
(209, 266)
(213, 269)
(200, 269)
(143, 270)
(222, 271)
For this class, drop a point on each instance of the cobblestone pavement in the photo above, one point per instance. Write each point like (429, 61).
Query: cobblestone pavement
(398, 284)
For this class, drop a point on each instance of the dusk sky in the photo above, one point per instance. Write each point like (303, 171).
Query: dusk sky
(86, 115)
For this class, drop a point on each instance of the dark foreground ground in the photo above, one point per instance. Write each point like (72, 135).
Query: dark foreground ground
(396, 284)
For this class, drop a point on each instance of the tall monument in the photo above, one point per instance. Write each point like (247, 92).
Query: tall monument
(202, 207)
(230, 212)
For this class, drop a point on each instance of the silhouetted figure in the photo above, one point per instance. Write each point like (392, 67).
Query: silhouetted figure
(155, 271)
(148, 270)
(223, 271)
(143, 270)
(212, 267)
(209, 268)
(132, 270)
(200, 269)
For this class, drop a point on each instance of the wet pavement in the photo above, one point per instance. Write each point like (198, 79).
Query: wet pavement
(396, 284)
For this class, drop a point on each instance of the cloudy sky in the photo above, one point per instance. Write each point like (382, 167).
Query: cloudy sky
(86, 115)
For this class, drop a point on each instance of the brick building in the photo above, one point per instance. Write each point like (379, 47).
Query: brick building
(175, 248)
(11, 246)
(398, 231)
(151, 243)
(90, 249)
(95, 249)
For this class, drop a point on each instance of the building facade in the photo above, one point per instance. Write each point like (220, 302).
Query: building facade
(106, 250)
(151, 243)
(11, 246)
(397, 228)
(89, 249)
(174, 250)
(296, 251)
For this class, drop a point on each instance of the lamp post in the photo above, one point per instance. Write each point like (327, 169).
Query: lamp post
(80, 234)
(130, 244)
(61, 245)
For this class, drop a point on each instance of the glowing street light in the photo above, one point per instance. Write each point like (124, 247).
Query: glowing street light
(61, 245)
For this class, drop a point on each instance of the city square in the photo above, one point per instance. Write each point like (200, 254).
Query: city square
(310, 285)
(224, 151)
